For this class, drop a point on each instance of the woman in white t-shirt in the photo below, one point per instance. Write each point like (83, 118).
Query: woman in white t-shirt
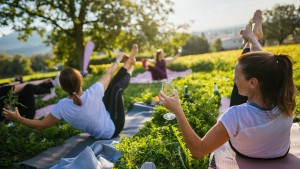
(99, 110)
(259, 128)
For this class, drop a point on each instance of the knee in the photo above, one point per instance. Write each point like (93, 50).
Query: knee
(28, 87)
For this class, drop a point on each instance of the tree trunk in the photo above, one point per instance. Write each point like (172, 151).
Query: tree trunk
(79, 45)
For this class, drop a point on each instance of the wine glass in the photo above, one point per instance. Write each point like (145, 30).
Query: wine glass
(168, 89)
(179, 49)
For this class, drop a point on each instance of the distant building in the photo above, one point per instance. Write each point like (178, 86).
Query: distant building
(230, 37)
(232, 42)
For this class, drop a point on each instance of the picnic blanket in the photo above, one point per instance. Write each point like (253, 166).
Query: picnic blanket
(136, 116)
(226, 158)
(147, 78)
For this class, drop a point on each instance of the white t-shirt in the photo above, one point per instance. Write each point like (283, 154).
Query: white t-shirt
(257, 133)
(91, 116)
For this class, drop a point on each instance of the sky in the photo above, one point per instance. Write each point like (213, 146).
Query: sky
(213, 14)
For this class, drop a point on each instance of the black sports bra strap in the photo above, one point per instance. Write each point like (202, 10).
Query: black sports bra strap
(256, 158)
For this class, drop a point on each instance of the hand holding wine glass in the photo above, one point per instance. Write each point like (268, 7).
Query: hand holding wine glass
(168, 89)
(179, 49)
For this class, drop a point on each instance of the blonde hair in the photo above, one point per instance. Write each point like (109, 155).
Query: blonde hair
(158, 52)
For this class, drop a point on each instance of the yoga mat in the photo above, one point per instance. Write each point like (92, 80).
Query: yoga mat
(136, 116)
(89, 47)
(147, 78)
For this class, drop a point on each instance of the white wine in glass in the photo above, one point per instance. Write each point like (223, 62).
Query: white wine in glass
(168, 89)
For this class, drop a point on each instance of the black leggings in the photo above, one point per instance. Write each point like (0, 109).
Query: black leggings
(113, 99)
(236, 98)
(26, 97)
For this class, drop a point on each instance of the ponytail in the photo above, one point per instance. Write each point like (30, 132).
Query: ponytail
(71, 81)
(275, 76)
(76, 99)
(285, 98)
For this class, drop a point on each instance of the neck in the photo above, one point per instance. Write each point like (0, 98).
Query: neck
(258, 100)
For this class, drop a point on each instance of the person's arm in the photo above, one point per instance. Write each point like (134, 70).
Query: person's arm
(199, 147)
(171, 59)
(110, 71)
(151, 60)
(48, 121)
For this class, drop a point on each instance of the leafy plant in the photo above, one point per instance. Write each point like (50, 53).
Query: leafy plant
(11, 101)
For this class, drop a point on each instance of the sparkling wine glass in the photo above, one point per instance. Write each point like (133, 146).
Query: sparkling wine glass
(168, 89)
(179, 49)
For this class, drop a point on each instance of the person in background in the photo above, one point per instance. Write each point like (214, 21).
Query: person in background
(159, 70)
(259, 128)
(99, 110)
(25, 93)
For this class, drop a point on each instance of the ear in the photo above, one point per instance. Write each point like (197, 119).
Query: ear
(253, 83)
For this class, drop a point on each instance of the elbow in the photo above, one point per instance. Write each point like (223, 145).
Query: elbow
(197, 155)
(199, 152)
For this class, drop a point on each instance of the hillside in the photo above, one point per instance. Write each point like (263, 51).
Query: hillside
(11, 45)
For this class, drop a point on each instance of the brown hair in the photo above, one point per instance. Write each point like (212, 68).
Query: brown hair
(158, 52)
(71, 81)
(275, 76)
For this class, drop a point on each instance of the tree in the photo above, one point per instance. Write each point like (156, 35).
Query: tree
(40, 62)
(217, 45)
(108, 23)
(280, 22)
(196, 45)
(13, 65)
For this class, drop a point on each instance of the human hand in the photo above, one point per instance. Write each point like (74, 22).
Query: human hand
(171, 103)
(11, 115)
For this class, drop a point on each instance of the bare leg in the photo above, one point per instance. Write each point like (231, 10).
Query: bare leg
(257, 25)
(248, 35)
(256, 28)
(131, 59)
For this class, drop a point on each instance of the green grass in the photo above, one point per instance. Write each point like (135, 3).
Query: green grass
(159, 141)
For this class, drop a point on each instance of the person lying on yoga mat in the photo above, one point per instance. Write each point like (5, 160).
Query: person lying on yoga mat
(99, 110)
(261, 127)
(159, 70)
(25, 94)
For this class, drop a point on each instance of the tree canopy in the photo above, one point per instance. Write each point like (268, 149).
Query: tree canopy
(109, 24)
(281, 21)
(196, 45)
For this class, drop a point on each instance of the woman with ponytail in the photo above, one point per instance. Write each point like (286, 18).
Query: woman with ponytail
(99, 110)
(259, 128)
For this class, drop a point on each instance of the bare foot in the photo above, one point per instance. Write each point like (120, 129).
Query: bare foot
(247, 34)
(257, 25)
(253, 43)
(134, 51)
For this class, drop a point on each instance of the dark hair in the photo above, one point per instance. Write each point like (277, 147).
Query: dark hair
(71, 81)
(18, 78)
(275, 76)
